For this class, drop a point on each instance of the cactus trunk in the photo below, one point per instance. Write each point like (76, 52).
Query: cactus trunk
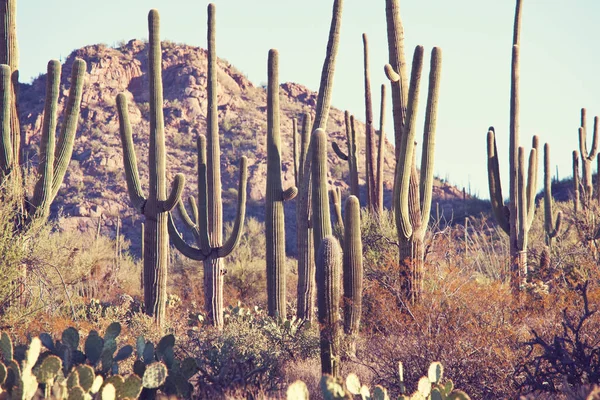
(370, 171)
(156, 206)
(274, 217)
(353, 270)
(328, 288)
(304, 236)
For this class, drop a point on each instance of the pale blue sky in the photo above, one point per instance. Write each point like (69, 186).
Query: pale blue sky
(560, 58)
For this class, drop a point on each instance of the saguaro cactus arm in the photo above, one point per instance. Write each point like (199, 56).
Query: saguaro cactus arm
(132, 175)
(427, 153)
(202, 253)
(552, 228)
(5, 101)
(405, 161)
(501, 212)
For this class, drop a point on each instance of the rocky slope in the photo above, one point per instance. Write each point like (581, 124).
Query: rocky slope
(95, 183)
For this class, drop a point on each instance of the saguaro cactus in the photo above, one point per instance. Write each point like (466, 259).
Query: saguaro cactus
(576, 183)
(516, 219)
(587, 157)
(328, 292)
(353, 269)
(305, 247)
(551, 227)
(321, 218)
(304, 235)
(370, 169)
(156, 206)
(198, 223)
(381, 154)
(210, 220)
(412, 194)
(54, 157)
(9, 55)
(351, 156)
(274, 218)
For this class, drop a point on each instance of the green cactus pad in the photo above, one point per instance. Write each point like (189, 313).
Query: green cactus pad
(70, 337)
(93, 347)
(131, 387)
(436, 394)
(6, 347)
(297, 391)
(49, 369)
(380, 393)
(47, 341)
(424, 386)
(149, 353)
(123, 353)
(112, 331)
(73, 379)
(155, 375)
(139, 367)
(458, 395)
(116, 381)
(164, 344)
(86, 377)
(140, 345)
(77, 393)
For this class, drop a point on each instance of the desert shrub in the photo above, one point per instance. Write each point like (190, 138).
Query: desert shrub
(248, 356)
(570, 356)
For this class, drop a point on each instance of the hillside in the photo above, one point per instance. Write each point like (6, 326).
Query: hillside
(95, 184)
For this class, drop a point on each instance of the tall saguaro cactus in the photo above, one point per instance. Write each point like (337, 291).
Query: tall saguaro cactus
(156, 206)
(576, 183)
(381, 154)
(306, 277)
(551, 227)
(321, 219)
(274, 217)
(516, 219)
(304, 234)
(328, 292)
(370, 170)
(54, 157)
(413, 193)
(587, 157)
(208, 217)
(353, 269)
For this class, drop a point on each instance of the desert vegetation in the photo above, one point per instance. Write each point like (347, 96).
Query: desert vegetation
(233, 295)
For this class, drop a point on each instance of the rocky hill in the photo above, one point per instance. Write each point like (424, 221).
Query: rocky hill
(95, 188)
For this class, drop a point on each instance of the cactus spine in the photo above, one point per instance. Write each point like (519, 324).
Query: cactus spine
(306, 252)
(412, 194)
(274, 217)
(156, 206)
(351, 156)
(552, 228)
(587, 157)
(304, 235)
(353, 269)
(517, 219)
(328, 291)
